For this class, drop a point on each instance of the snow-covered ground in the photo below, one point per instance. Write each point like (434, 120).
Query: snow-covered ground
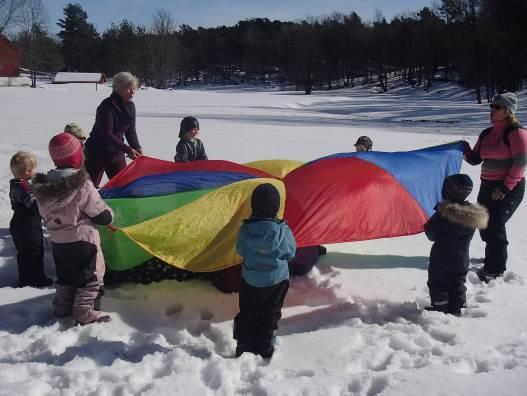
(355, 326)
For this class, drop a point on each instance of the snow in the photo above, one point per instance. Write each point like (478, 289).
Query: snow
(354, 326)
(15, 82)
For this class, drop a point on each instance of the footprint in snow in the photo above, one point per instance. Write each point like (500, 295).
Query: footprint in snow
(174, 310)
(378, 385)
(206, 314)
(474, 313)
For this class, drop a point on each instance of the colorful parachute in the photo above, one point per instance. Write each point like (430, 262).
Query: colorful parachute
(188, 215)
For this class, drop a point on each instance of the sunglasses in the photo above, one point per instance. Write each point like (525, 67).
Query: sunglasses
(496, 106)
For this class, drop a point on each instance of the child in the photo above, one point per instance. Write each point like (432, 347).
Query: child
(71, 207)
(266, 245)
(74, 129)
(452, 228)
(364, 143)
(26, 224)
(189, 148)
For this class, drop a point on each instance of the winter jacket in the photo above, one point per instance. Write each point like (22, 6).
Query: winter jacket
(23, 201)
(501, 161)
(114, 120)
(451, 228)
(190, 150)
(266, 246)
(71, 207)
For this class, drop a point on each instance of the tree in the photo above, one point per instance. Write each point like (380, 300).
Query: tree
(34, 19)
(10, 11)
(80, 40)
(464, 14)
(304, 54)
(380, 45)
(163, 47)
(124, 47)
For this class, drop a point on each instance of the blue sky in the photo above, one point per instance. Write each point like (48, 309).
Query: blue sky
(226, 12)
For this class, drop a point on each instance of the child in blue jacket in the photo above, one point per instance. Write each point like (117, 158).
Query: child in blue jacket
(266, 245)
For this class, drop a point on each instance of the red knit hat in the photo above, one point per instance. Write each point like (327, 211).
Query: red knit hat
(66, 151)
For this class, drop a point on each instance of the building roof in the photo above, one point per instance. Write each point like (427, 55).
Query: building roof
(72, 77)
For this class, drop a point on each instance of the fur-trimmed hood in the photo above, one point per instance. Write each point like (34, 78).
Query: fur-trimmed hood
(468, 215)
(57, 185)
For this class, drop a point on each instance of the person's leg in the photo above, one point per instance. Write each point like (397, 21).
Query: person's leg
(246, 321)
(438, 287)
(38, 276)
(457, 296)
(270, 313)
(116, 166)
(95, 168)
(495, 235)
(82, 258)
(64, 286)
(28, 240)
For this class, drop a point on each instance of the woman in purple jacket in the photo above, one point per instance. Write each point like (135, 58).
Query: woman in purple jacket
(115, 119)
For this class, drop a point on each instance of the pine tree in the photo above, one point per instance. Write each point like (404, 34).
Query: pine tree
(80, 40)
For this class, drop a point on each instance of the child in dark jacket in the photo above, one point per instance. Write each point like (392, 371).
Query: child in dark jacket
(189, 148)
(26, 224)
(451, 228)
(266, 245)
(71, 208)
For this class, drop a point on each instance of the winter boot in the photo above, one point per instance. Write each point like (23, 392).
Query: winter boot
(437, 308)
(100, 319)
(83, 306)
(242, 348)
(486, 276)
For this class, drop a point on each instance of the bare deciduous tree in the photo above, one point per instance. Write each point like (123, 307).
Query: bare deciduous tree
(33, 22)
(10, 11)
(163, 47)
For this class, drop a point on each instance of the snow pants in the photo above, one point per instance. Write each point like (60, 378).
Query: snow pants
(260, 311)
(78, 290)
(28, 238)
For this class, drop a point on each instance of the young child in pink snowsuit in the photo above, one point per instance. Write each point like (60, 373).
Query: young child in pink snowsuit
(72, 207)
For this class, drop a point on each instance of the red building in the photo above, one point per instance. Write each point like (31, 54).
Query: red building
(10, 56)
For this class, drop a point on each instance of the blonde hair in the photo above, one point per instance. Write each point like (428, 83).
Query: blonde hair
(123, 80)
(74, 129)
(511, 117)
(22, 161)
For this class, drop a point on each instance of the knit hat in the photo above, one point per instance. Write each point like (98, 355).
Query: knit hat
(457, 188)
(187, 124)
(75, 130)
(364, 141)
(265, 201)
(507, 100)
(66, 151)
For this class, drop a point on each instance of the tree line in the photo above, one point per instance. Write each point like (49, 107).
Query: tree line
(481, 44)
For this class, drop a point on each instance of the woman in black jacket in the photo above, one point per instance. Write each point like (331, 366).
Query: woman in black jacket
(115, 119)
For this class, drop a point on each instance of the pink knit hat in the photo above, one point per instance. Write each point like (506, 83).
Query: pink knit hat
(66, 151)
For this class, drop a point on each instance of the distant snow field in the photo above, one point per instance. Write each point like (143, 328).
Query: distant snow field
(354, 326)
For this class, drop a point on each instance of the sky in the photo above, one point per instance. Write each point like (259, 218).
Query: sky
(207, 13)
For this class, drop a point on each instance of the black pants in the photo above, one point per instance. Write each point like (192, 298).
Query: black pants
(500, 211)
(97, 167)
(75, 264)
(447, 286)
(28, 238)
(260, 311)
